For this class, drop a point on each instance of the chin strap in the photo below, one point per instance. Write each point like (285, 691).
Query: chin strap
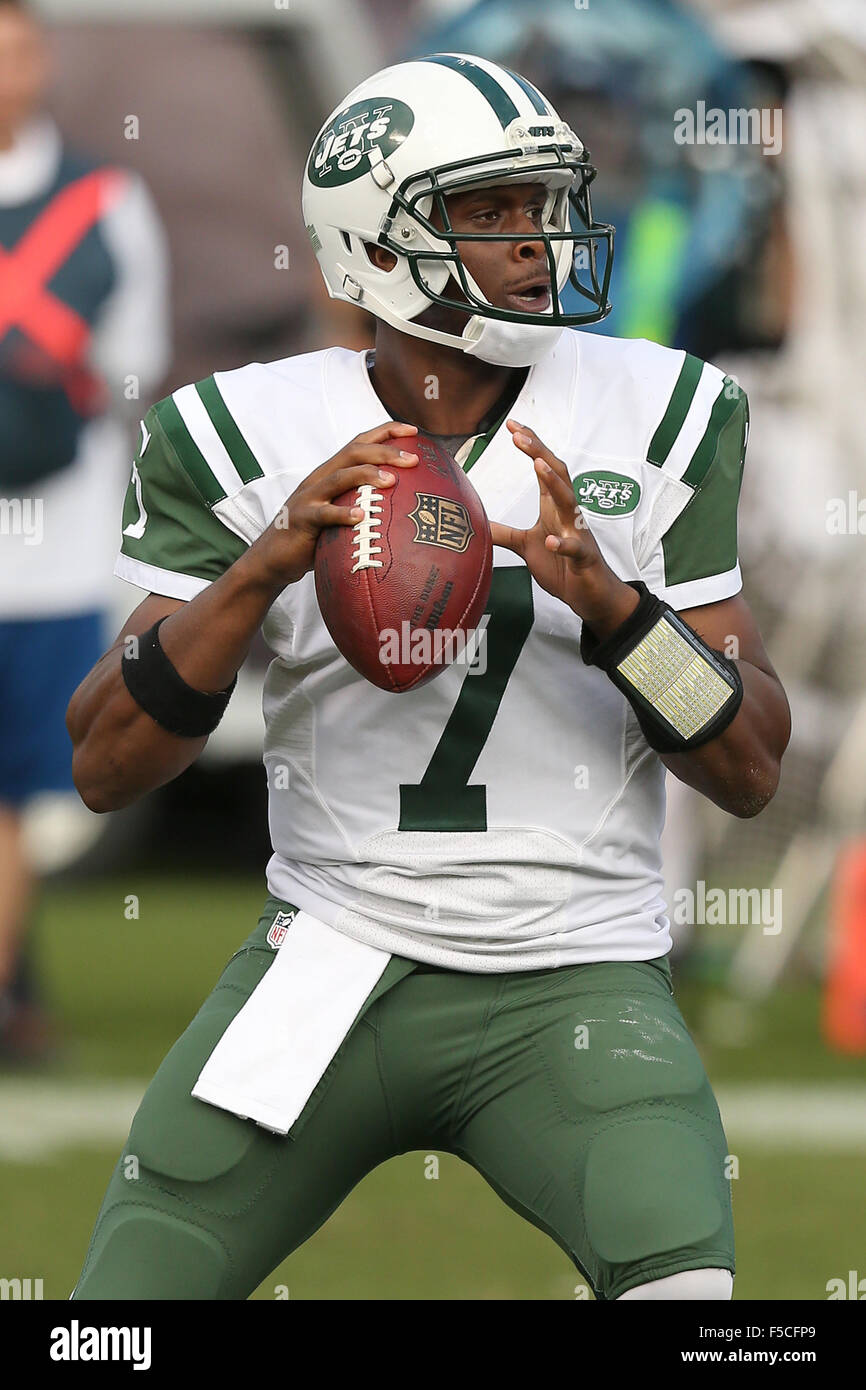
(508, 344)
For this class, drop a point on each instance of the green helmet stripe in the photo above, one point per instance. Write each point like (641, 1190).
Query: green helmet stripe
(678, 408)
(480, 79)
(533, 93)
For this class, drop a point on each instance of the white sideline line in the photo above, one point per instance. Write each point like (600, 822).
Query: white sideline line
(42, 1118)
(829, 1117)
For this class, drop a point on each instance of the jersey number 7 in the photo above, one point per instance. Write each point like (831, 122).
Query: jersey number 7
(443, 800)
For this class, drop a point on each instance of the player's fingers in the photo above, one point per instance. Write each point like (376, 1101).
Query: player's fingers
(509, 537)
(579, 547)
(549, 517)
(308, 518)
(359, 450)
(527, 440)
(391, 429)
(560, 492)
(571, 547)
(328, 515)
(378, 471)
(400, 452)
(550, 522)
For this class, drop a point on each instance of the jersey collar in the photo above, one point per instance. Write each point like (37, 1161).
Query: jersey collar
(501, 473)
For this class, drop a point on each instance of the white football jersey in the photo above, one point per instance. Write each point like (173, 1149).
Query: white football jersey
(504, 818)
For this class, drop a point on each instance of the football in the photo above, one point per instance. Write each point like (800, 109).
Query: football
(403, 590)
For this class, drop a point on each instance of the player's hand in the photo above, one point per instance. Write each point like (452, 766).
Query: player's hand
(286, 550)
(560, 551)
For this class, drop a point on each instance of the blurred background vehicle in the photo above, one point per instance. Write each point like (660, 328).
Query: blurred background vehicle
(751, 259)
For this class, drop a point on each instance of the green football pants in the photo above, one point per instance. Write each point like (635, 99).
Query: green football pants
(576, 1092)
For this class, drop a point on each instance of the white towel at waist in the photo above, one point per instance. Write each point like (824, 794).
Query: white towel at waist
(266, 1064)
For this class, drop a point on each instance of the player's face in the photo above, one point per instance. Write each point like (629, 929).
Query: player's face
(23, 68)
(510, 274)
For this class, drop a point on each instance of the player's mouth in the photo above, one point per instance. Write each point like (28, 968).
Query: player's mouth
(532, 297)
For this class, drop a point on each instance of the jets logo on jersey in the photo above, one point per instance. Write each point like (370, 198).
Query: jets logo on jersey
(342, 152)
(279, 928)
(608, 494)
(440, 521)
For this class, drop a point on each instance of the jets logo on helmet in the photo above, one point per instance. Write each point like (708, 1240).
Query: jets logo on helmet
(343, 150)
(379, 173)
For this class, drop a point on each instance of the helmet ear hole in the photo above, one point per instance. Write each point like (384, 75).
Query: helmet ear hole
(347, 241)
(380, 256)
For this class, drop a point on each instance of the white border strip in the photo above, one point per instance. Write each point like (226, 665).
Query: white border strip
(712, 589)
(168, 583)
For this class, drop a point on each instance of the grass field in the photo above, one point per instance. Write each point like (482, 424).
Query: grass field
(125, 988)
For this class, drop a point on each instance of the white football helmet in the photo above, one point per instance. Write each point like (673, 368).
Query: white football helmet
(415, 132)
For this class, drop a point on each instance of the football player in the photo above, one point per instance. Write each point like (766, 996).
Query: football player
(464, 944)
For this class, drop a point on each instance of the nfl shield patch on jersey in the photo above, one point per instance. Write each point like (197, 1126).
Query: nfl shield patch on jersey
(280, 927)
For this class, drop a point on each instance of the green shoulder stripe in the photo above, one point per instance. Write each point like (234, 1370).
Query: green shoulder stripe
(166, 522)
(234, 443)
(703, 539)
(678, 408)
(187, 452)
(724, 407)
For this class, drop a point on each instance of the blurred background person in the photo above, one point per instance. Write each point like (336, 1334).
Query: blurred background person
(195, 108)
(217, 118)
(84, 339)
